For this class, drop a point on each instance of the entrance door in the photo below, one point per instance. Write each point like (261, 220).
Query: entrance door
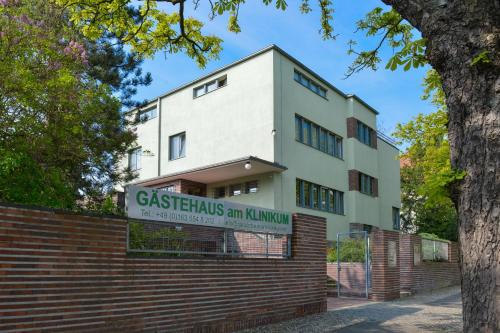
(353, 264)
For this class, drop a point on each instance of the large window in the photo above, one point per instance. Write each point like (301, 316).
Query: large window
(134, 159)
(177, 146)
(319, 197)
(219, 192)
(366, 184)
(168, 188)
(396, 225)
(234, 190)
(309, 84)
(147, 114)
(364, 133)
(252, 187)
(317, 137)
(210, 86)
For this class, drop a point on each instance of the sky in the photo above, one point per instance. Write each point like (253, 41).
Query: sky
(396, 95)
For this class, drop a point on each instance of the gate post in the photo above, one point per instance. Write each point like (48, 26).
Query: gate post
(385, 265)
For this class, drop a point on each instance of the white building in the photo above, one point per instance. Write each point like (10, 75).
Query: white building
(267, 131)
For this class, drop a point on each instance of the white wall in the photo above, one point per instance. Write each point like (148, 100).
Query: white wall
(303, 161)
(389, 182)
(229, 123)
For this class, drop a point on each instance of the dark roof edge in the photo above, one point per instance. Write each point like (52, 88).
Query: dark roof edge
(388, 142)
(362, 102)
(251, 56)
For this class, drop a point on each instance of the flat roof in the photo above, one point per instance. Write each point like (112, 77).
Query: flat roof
(251, 56)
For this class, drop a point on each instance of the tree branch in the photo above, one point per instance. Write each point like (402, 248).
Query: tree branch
(413, 10)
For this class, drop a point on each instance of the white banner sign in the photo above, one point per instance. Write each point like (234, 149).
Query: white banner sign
(158, 205)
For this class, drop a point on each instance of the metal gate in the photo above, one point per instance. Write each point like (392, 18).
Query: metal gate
(353, 264)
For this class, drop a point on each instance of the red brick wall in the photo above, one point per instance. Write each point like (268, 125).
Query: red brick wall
(352, 124)
(426, 275)
(353, 180)
(385, 279)
(62, 272)
(352, 277)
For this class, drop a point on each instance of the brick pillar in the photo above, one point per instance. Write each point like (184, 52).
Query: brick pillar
(453, 252)
(309, 243)
(407, 260)
(385, 265)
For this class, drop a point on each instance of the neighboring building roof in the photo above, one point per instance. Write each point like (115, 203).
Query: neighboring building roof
(404, 162)
(253, 55)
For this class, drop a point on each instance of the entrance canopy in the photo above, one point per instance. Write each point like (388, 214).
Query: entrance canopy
(219, 172)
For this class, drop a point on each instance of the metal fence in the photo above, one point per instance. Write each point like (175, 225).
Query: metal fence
(353, 264)
(434, 250)
(155, 238)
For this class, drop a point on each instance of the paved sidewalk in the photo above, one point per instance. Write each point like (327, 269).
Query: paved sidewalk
(439, 311)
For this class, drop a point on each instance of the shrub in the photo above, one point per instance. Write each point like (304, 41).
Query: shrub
(351, 250)
(141, 239)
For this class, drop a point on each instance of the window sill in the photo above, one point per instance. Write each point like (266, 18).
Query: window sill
(368, 194)
(175, 159)
(321, 210)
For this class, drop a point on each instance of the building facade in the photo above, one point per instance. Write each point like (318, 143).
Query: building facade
(269, 132)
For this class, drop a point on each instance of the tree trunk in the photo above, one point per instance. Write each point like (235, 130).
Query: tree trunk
(457, 32)
(473, 101)
(474, 133)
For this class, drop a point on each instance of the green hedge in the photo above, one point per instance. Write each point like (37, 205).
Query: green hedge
(140, 239)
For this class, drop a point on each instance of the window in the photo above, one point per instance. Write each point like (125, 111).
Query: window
(210, 86)
(317, 137)
(134, 159)
(331, 199)
(311, 195)
(177, 146)
(148, 114)
(324, 198)
(299, 190)
(306, 132)
(339, 202)
(315, 196)
(307, 194)
(234, 190)
(364, 133)
(365, 184)
(251, 187)
(309, 84)
(199, 91)
(169, 188)
(298, 129)
(314, 136)
(323, 135)
(338, 147)
(396, 223)
(219, 192)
